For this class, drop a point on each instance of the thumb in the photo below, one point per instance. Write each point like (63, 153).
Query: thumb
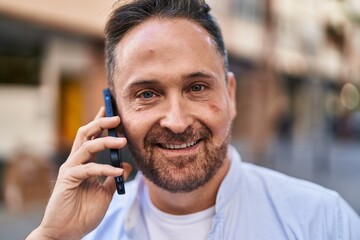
(127, 170)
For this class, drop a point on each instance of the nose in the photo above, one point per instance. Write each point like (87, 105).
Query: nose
(177, 116)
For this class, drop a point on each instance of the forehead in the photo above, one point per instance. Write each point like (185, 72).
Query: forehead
(159, 30)
(160, 45)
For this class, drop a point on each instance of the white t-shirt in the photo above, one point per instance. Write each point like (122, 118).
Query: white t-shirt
(164, 226)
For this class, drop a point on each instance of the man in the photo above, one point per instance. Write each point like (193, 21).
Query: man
(167, 70)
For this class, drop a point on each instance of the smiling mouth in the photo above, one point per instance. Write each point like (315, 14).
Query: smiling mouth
(172, 146)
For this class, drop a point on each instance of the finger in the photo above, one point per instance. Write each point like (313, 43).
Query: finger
(81, 172)
(109, 184)
(100, 114)
(94, 129)
(127, 170)
(88, 150)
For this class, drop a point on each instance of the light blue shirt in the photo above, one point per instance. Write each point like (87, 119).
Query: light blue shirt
(252, 203)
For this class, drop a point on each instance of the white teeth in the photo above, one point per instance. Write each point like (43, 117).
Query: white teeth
(178, 146)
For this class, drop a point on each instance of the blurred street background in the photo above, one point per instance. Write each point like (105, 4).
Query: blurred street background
(297, 65)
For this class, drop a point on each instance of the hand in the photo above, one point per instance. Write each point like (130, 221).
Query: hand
(79, 200)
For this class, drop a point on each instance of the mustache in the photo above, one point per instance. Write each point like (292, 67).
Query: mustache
(164, 135)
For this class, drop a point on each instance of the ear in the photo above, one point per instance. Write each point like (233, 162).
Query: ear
(231, 86)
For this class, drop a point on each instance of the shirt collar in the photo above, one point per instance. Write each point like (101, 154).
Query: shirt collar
(231, 179)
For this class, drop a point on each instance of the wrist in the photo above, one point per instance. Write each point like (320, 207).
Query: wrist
(38, 233)
(42, 234)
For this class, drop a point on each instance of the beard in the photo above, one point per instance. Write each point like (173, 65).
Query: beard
(182, 173)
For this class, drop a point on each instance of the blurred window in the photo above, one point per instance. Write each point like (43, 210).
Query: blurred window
(251, 10)
(20, 52)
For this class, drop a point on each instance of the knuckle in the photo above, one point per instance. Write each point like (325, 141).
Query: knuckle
(81, 130)
(99, 122)
(86, 146)
(63, 170)
(90, 165)
(62, 167)
(87, 149)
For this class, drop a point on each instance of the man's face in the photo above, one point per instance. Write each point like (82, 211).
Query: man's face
(175, 104)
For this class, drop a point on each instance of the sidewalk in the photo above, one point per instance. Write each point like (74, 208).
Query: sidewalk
(16, 226)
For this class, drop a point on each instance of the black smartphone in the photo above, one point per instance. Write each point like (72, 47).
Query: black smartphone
(115, 154)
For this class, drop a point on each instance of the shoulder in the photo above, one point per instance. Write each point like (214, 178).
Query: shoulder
(279, 182)
(288, 191)
(300, 205)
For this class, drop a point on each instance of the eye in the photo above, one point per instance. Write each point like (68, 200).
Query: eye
(147, 94)
(197, 88)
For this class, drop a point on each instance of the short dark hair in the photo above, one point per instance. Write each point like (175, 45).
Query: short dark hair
(132, 14)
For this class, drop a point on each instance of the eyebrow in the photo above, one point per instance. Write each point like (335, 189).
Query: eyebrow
(198, 75)
(154, 82)
(129, 88)
(143, 82)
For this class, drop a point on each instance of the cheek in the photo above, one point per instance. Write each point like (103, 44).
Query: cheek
(136, 127)
(217, 118)
(215, 108)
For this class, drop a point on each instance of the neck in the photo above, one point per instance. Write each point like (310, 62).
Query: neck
(191, 202)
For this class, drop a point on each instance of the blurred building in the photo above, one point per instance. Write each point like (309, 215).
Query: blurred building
(51, 70)
(51, 77)
(298, 70)
(297, 64)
